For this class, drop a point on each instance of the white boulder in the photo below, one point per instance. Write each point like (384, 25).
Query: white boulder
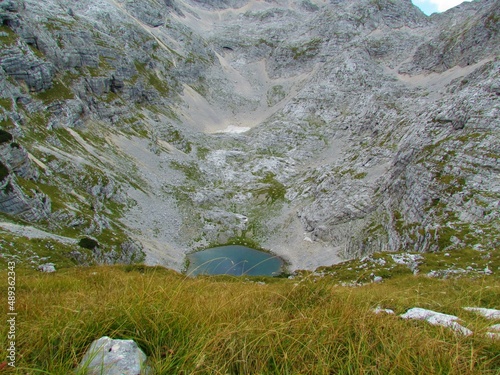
(487, 313)
(113, 357)
(47, 267)
(436, 318)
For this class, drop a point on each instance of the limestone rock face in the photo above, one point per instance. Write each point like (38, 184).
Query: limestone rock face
(14, 201)
(16, 158)
(9, 10)
(461, 41)
(35, 205)
(319, 130)
(24, 66)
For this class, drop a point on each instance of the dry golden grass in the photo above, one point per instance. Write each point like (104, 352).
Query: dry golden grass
(228, 325)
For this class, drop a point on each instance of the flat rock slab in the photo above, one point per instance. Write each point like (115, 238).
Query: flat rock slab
(113, 357)
(436, 318)
(487, 313)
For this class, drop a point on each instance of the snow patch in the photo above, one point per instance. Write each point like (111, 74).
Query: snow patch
(233, 129)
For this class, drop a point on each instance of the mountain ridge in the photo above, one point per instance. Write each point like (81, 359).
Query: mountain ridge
(128, 124)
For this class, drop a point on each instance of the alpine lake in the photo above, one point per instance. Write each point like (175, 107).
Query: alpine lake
(234, 260)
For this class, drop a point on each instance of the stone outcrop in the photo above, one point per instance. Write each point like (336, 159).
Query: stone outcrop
(13, 201)
(16, 158)
(32, 205)
(437, 318)
(8, 12)
(22, 64)
(460, 42)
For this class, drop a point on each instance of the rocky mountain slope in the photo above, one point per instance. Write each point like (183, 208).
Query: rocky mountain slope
(321, 130)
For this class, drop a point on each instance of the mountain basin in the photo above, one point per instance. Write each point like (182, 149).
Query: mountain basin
(234, 260)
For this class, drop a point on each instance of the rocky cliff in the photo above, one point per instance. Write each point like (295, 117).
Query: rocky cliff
(319, 130)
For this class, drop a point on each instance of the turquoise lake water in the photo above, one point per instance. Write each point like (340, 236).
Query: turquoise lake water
(234, 260)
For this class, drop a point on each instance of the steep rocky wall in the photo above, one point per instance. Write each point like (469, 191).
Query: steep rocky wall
(372, 126)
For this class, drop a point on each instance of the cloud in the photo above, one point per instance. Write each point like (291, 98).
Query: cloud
(437, 5)
(443, 5)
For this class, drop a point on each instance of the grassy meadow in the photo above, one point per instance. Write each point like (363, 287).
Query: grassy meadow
(229, 325)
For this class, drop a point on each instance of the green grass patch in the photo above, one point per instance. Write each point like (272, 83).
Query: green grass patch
(58, 24)
(7, 36)
(273, 191)
(103, 68)
(153, 79)
(470, 137)
(275, 94)
(360, 175)
(190, 170)
(464, 259)
(243, 241)
(58, 91)
(57, 197)
(158, 83)
(202, 152)
(36, 51)
(6, 103)
(306, 50)
(228, 325)
(28, 253)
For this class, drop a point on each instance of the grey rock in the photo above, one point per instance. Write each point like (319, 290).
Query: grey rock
(23, 65)
(437, 318)
(14, 201)
(10, 5)
(131, 252)
(494, 328)
(493, 335)
(16, 158)
(222, 4)
(108, 356)
(150, 14)
(479, 37)
(47, 267)
(487, 313)
(8, 12)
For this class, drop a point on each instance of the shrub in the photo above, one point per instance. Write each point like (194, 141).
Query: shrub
(4, 171)
(5, 136)
(88, 243)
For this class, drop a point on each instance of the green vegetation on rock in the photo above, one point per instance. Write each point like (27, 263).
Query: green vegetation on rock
(7, 36)
(58, 91)
(306, 50)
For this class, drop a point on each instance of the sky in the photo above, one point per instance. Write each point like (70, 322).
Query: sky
(432, 6)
